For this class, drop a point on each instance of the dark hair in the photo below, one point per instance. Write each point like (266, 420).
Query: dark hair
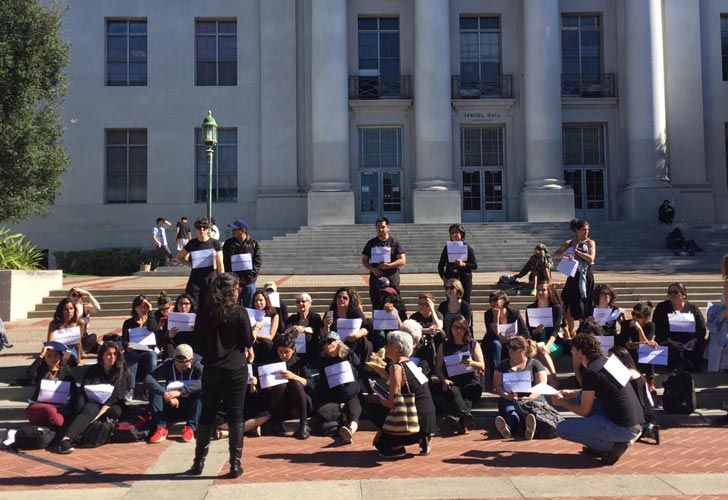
(160, 219)
(460, 320)
(397, 302)
(624, 356)
(285, 340)
(680, 286)
(554, 298)
(603, 288)
(119, 370)
(137, 301)
(578, 224)
(183, 218)
(162, 299)
(193, 302)
(588, 345)
(427, 295)
(643, 310)
(497, 295)
(221, 298)
(202, 221)
(590, 327)
(269, 309)
(353, 310)
(459, 227)
(381, 219)
(58, 314)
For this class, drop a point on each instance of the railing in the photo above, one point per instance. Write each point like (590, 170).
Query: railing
(485, 88)
(588, 85)
(378, 87)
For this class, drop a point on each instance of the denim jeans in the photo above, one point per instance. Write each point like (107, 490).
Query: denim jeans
(493, 350)
(507, 410)
(246, 294)
(595, 431)
(189, 410)
(146, 359)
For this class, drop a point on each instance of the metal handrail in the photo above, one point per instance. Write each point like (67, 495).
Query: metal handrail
(380, 87)
(482, 88)
(586, 85)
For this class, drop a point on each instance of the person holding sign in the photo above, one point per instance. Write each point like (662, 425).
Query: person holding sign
(382, 256)
(547, 337)
(280, 305)
(642, 389)
(204, 254)
(110, 371)
(432, 331)
(680, 326)
(499, 322)
(139, 331)
(603, 311)
(308, 324)
(718, 339)
(454, 305)
(579, 287)
(457, 261)
(179, 396)
(337, 384)
(173, 335)
(639, 330)
(55, 396)
(266, 328)
(512, 381)
(346, 305)
(243, 256)
(458, 361)
(389, 318)
(612, 414)
(66, 329)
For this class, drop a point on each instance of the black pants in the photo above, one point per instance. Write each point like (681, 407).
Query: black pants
(363, 348)
(389, 442)
(694, 358)
(86, 416)
(226, 387)
(456, 399)
(287, 399)
(330, 411)
(467, 281)
(375, 295)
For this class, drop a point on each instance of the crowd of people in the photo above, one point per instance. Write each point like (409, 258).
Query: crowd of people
(226, 358)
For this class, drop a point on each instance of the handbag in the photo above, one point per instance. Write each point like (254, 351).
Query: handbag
(547, 418)
(402, 419)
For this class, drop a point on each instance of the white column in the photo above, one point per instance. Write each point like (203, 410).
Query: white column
(644, 106)
(544, 197)
(435, 198)
(330, 199)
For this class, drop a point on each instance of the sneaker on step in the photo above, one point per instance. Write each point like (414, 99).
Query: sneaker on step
(187, 434)
(159, 435)
(530, 427)
(65, 447)
(502, 427)
(347, 432)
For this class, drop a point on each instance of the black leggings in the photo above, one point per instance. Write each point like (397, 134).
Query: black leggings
(226, 386)
(86, 416)
(285, 399)
(452, 401)
(330, 411)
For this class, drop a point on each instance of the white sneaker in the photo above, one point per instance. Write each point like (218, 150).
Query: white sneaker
(502, 427)
(347, 433)
(530, 427)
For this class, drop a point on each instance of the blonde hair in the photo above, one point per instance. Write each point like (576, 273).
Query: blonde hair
(458, 286)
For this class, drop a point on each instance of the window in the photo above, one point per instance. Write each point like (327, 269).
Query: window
(126, 166)
(380, 147)
(379, 57)
(585, 166)
(581, 45)
(724, 44)
(217, 52)
(126, 52)
(480, 50)
(481, 147)
(224, 167)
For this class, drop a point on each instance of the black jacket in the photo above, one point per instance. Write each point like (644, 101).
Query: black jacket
(39, 371)
(234, 247)
(166, 373)
(448, 270)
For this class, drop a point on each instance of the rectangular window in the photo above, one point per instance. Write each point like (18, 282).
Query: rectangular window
(126, 166)
(581, 52)
(481, 147)
(216, 47)
(480, 50)
(585, 165)
(724, 44)
(380, 147)
(378, 52)
(126, 52)
(224, 167)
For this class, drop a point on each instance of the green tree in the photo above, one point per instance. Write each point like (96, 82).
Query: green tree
(32, 87)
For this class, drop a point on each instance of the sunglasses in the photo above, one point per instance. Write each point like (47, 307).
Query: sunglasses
(202, 228)
(185, 303)
(330, 341)
(76, 295)
(673, 292)
(515, 347)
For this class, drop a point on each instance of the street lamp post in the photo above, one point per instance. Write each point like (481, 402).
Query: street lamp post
(209, 133)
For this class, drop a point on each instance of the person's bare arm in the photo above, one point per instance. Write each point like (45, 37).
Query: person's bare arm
(183, 256)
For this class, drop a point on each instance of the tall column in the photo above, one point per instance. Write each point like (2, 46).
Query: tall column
(684, 89)
(647, 181)
(544, 197)
(435, 198)
(279, 205)
(330, 199)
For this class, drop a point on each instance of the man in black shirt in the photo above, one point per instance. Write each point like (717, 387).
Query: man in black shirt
(382, 256)
(242, 255)
(613, 416)
(204, 254)
(182, 233)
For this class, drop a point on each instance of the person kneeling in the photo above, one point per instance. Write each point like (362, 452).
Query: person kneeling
(613, 416)
(179, 396)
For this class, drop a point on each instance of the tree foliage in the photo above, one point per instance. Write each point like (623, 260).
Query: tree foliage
(32, 87)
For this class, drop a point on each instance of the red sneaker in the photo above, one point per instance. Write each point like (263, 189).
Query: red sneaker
(187, 434)
(159, 435)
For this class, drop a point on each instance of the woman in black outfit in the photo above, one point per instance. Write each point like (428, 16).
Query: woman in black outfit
(204, 254)
(224, 328)
(548, 343)
(185, 303)
(604, 297)
(642, 389)
(308, 323)
(347, 306)
(454, 305)
(499, 314)
(639, 330)
(460, 269)
(578, 288)
(110, 370)
(141, 316)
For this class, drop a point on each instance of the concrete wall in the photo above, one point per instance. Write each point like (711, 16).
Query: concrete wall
(20, 291)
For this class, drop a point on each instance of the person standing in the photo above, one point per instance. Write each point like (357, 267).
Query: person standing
(382, 256)
(460, 269)
(159, 237)
(224, 327)
(578, 288)
(242, 255)
(205, 256)
(182, 233)
(214, 231)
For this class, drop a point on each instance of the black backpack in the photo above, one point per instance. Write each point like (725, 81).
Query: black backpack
(98, 433)
(679, 395)
(135, 425)
(33, 437)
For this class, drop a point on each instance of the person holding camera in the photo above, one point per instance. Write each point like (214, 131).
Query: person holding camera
(383, 256)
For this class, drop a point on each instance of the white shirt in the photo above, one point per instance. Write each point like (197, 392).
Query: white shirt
(160, 235)
(214, 232)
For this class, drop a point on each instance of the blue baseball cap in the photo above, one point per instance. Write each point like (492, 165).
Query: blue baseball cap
(59, 347)
(239, 224)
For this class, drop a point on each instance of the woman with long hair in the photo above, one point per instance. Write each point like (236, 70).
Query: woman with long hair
(52, 365)
(578, 288)
(224, 329)
(604, 298)
(346, 305)
(66, 316)
(137, 355)
(549, 346)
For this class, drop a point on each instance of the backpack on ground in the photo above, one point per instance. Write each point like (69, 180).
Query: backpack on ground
(98, 433)
(33, 437)
(134, 425)
(679, 395)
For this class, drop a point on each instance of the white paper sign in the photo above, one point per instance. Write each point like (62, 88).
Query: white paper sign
(271, 374)
(203, 258)
(543, 389)
(339, 374)
(275, 299)
(652, 355)
(602, 315)
(99, 393)
(568, 266)
(517, 381)
(681, 322)
(301, 343)
(68, 336)
(417, 372)
(347, 327)
(142, 336)
(54, 392)
(508, 330)
(457, 250)
(540, 316)
(184, 322)
(385, 320)
(265, 328)
(257, 315)
(454, 365)
(241, 262)
(606, 341)
(139, 347)
(381, 255)
(620, 372)
(178, 385)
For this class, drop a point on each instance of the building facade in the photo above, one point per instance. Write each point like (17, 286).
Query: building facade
(342, 111)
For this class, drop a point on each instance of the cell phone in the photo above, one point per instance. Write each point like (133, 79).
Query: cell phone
(466, 356)
(330, 314)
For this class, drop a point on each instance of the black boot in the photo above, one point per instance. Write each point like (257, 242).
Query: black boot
(202, 446)
(235, 444)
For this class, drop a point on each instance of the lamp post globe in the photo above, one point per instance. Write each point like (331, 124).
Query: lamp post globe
(209, 136)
